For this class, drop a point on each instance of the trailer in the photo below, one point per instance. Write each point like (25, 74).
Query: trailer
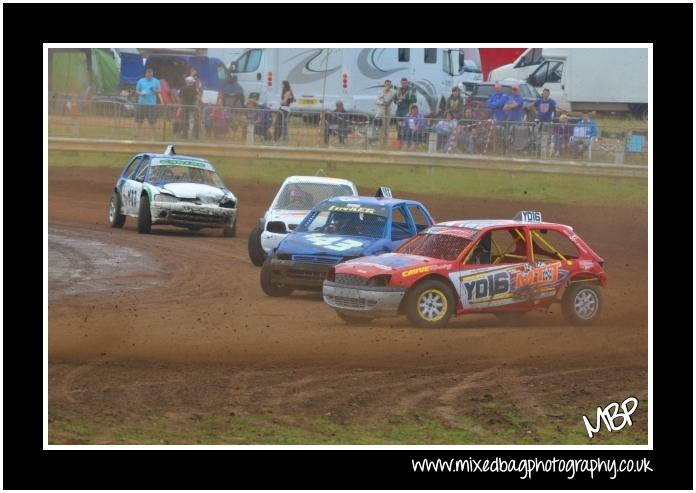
(596, 79)
(320, 77)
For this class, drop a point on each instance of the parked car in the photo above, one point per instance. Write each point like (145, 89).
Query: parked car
(336, 230)
(476, 99)
(503, 267)
(172, 189)
(295, 198)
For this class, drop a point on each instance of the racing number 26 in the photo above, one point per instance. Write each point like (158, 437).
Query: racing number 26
(335, 243)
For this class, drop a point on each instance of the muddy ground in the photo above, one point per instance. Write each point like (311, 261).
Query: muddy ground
(175, 324)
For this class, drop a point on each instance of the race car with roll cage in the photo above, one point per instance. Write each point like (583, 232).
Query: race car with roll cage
(503, 267)
(295, 198)
(339, 229)
(172, 189)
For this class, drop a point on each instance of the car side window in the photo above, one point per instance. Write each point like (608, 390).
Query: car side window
(400, 229)
(420, 219)
(132, 167)
(552, 245)
(500, 246)
(142, 170)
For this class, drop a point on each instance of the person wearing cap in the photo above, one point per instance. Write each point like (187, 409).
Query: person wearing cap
(455, 103)
(514, 106)
(561, 135)
(495, 103)
(188, 96)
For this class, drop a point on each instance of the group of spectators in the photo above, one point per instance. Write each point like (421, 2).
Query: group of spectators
(459, 130)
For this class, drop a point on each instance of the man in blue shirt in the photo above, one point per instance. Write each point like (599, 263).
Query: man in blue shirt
(147, 90)
(583, 133)
(514, 106)
(495, 103)
(545, 107)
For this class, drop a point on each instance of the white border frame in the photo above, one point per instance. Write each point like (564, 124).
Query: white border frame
(46, 446)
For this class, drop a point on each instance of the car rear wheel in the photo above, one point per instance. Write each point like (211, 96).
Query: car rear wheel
(256, 252)
(430, 304)
(144, 216)
(582, 303)
(271, 289)
(231, 231)
(353, 319)
(116, 219)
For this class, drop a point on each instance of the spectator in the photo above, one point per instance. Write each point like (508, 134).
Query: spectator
(147, 89)
(260, 116)
(444, 129)
(413, 127)
(455, 103)
(189, 111)
(545, 107)
(336, 124)
(561, 135)
(234, 93)
(496, 102)
(286, 99)
(514, 106)
(404, 98)
(385, 96)
(583, 133)
(193, 72)
(217, 119)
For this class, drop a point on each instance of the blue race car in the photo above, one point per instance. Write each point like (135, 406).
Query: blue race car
(338, 229)
(171, 189)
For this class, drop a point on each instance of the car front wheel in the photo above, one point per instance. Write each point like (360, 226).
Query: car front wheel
(582, 303)
(144, 216)
(271, 289)
(256, 252)
(230, 231)
(429, 304)
(116, 219)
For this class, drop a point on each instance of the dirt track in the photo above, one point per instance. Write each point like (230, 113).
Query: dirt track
(192, 332)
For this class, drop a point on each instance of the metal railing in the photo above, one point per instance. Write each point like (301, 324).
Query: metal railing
(342, 130)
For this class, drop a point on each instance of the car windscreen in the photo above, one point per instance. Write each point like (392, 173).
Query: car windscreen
(304, 196)
(163, 174)
(487, 90)
(342, 219)
(440, 246)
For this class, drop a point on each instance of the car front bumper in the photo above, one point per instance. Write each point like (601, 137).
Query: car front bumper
(298, 274)
(192, 215)
(383, 301)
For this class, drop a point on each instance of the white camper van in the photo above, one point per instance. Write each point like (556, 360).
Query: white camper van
(599, 79)
(320, 77)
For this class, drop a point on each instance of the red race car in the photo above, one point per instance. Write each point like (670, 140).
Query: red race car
(504, 267)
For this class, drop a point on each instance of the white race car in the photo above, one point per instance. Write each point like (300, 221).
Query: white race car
(171, 189)
(296, 198)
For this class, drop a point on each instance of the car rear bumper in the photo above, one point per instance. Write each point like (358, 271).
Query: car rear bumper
(375, 301)
(192, 215)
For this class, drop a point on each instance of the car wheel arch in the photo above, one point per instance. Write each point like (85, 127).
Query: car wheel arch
(431, 277)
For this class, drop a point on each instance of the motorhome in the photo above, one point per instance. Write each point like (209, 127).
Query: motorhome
(595, 79)
(320, 77)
